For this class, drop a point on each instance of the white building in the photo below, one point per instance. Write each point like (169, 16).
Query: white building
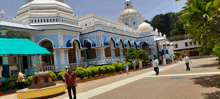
(90, 40)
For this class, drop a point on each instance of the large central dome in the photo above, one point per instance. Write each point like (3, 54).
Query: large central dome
(128, 11)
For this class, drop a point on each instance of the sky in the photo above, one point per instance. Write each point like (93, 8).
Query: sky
(110, 9)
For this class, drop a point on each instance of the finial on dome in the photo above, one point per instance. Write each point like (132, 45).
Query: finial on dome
(143, 20)
(160, 34)
(156, 30)
(164, 35)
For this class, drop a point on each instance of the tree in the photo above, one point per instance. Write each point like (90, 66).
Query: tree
(165, 22)
(202, 22)
(136, 55)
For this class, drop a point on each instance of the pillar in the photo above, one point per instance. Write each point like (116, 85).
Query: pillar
(5, 67)
(100, 55)
(121, 55)
(113, 55)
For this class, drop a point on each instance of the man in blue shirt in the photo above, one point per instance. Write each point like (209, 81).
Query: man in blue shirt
(126, 67)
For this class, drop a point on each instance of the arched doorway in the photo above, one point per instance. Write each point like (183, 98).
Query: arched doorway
(108, 49)
(47, 59)
(72, 52)
(145, 46)
(118, 49)
(90, 52)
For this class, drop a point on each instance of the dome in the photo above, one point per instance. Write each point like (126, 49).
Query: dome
(128, 11)
(144, 27)
(46, 2)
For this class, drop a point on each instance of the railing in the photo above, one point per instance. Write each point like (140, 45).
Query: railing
(59, 68)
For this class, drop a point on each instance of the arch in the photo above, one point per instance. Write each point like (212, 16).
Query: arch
(72, 53)
(117, 41)
(90, 52)
(47, 59)
(146, 46)
(107, 40)
(70, 43)
(126, 42)
(45, 39)
(90, 41)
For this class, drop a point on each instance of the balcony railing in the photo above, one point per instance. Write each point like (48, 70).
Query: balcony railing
(59, 68)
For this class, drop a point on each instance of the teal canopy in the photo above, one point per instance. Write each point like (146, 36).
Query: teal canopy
(20, 46)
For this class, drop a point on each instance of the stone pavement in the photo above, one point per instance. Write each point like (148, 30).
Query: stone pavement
(173, 83)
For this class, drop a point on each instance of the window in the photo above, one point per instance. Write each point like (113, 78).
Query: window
(53, 20)
(190, 43)
(41, 20)
(50, 20)
(199, 43)
(85, 24)
(194, 43)
(186, 44)
(127, 4)
(47, 20)
(176, 46)
(44, 20)
(134, 23)
(126, 24)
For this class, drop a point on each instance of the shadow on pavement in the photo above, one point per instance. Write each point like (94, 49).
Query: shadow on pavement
(207, 65)
(209, 81)
(213, 95)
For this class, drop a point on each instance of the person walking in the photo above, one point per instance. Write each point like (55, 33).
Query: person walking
(70, 80)
(140, 64)
(127, 67)
(155, 64)
(187, 60)
(134, 64)
(21, 80)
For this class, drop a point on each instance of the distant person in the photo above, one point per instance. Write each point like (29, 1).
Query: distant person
(155, 64)
(70, 80)
(21, 80)
(160, 59)
(187, 60)
(140, 64)
(127, 67)
(134, 64)
(64, 73)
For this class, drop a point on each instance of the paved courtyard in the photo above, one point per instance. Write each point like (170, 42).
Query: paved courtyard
(173, 82)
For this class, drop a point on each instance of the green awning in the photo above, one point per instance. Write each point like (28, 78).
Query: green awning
(20, 46)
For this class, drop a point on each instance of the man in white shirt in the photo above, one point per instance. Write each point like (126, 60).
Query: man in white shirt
(187, 60)
(155, 65)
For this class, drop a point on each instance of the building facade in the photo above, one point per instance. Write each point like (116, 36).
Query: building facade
(91, 39)
(182, 42)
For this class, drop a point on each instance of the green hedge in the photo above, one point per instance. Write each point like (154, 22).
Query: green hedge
(81, 72)
(89, 73)
(107, 68)
(94, 70)
(60, 75)
(10, 83)
(53, 75)
(28, 81)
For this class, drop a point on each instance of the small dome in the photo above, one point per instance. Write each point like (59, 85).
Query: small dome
(144, 27)
(128, 11)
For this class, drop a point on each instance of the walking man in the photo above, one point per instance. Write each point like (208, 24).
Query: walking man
(134, 64)
(21, 80)
(155, 64)
(127, 67)
(186, 59)
(70, 80)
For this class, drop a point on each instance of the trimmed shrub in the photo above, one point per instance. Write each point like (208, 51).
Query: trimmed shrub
(53, 75)
(28, 81)
(102, 70)
(88, 72)
(60, 75)
(107, 68)
(81, 72)
(94, 70)
(99, 69)
(112, 69)
(10, 83)
(117, 67)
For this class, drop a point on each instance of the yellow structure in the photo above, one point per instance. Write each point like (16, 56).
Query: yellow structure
(35, 93)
